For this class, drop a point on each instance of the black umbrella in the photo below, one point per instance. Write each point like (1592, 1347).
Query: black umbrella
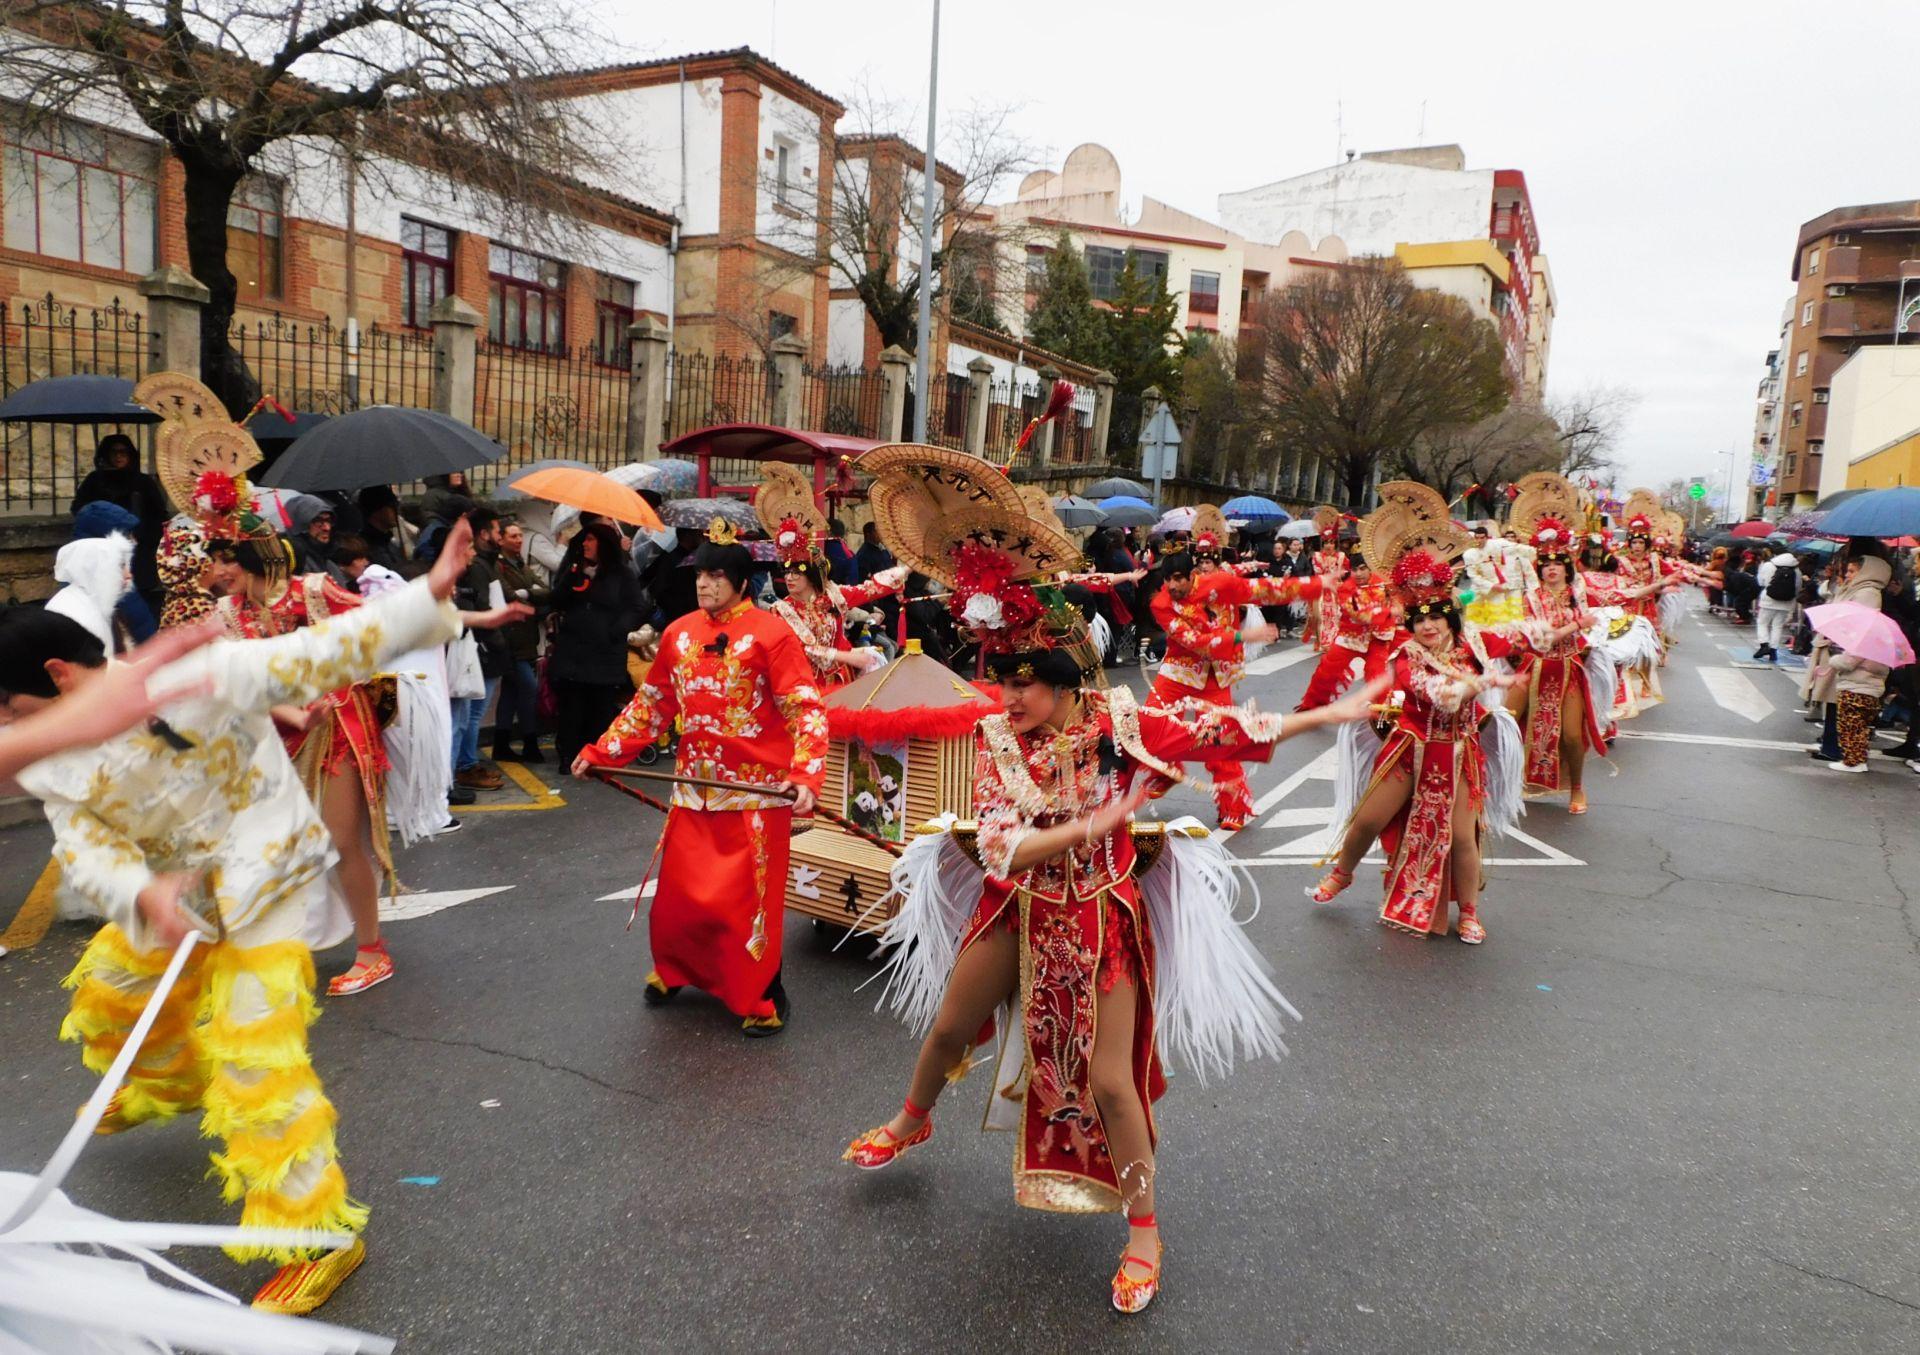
(75, 399)
(276, 433)
(382, 445)
(1112, 485)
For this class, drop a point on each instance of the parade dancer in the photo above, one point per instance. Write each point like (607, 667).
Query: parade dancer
(1045, 934)
(1429, 790)
(1330, 567)
(201, 812)
(750, 716)
(815, 606)
(1365, 629)
(1638, 579)
(1554, 703)
(1205, 620)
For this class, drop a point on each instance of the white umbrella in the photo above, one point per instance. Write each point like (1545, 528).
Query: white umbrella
(1298, 530)
(1174, 520)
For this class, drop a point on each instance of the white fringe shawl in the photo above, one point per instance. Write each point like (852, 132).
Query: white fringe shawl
(1357, 747)
(1637, 648)
(416, 742)
(1673, 605)
(1214, 997)
(1506, 772)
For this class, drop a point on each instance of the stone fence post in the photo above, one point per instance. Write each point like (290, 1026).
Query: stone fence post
(175, 299)
(1043, 440)
(789, 366)
(896, 363)
(979, 404)
(648, 343)
(1103, 384)
(456, 327)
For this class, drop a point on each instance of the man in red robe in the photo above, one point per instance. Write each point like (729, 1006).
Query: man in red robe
(1366, 631)
(750, 715)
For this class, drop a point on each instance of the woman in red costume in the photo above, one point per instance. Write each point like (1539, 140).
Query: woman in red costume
(1088, 976)
(336, 742)
(1431, 789)
(817, 609)
(1554, 703)
(1330, 567)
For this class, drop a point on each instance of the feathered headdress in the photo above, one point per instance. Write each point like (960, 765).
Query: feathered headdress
(791, 543)
(1552, 539)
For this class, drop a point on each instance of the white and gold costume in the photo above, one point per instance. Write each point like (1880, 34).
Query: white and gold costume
(212, 791)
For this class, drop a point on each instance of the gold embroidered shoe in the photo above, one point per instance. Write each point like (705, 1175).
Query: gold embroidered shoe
(1131, 1292)
(1470, 929)
(878, 1148)
(301, 1286)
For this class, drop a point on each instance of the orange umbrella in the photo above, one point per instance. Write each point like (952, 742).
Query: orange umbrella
(590, 492)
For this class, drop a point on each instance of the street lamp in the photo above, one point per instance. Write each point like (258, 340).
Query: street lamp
(923, 333)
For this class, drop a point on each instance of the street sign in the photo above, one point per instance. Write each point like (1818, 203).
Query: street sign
(1696, 491)
(1160, 449)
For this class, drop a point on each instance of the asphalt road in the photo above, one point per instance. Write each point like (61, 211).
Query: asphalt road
(1669, 1106)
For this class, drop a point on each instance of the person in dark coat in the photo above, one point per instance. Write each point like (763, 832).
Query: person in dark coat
(597, 603)
(116, 478)
(520, 684)
(872, 557)
(669, 581)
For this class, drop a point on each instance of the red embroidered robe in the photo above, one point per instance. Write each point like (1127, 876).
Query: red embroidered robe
(1553, 670)
(750, 712)
(821, 624)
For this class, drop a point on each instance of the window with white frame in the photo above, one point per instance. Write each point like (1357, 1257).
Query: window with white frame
(783, 165)
(1806, 315)
(1813, 262)
(1800, 363)
(74, 191)
(613, 300)
(1203, 293)
(1105, 265)
(1794, 414)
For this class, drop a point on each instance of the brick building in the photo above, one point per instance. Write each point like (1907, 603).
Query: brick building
(1856, 269)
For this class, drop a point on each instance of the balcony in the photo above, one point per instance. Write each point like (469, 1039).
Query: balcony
(1850, 265)
(1847, 318)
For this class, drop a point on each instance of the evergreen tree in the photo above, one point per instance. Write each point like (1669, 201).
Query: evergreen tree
(1142, 347)
(1063, 319)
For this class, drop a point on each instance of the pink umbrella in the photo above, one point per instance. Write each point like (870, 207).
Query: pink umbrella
(1862, 632)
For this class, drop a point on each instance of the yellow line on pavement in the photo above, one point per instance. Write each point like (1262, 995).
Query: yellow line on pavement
(544, 796)
(36, 914)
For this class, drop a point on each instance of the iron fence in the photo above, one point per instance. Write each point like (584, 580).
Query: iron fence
(550, 402)
(46, 462)
(705, 389)
(314, 368)
(946, 411)
(1012, 406)
(847, 400)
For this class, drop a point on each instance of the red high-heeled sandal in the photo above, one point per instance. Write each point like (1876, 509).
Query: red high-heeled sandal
(1130, 1295)
(1331, 886)
(878, 1147)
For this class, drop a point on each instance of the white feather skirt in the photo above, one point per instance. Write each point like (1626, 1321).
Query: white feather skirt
(1214, 997)
(939, 888)
(1357, 747)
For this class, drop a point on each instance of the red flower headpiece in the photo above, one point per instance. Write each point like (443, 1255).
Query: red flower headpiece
(1002, 613)
(1641, 526)
(1425, 582)
(1206, 545)
(224, 505)
(792, 543)
(1551, 538)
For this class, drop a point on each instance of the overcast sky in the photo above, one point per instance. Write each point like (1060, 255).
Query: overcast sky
(1672, 150)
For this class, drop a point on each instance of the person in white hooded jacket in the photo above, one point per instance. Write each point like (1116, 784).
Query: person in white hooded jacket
(1779, 580)
(97, 573)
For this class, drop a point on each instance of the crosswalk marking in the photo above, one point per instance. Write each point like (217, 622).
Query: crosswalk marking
(1286, 658)
(1735, 691)
(427, 902)
(1717, 740)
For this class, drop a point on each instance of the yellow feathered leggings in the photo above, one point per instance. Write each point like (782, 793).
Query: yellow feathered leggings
(231, 1040)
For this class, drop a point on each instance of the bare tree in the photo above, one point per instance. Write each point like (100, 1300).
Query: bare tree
(1358, 365)
(1490, 452)
(453, 89)
(1590, 422)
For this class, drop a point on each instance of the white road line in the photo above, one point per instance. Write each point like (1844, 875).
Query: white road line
(626, 895)
(409, 906)
(1286, 658)
(1715, 740)
(1734, 691)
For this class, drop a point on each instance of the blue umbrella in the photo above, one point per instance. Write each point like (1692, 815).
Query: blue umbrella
(1255, 511)
(1879, 512)
(1125, 510)
(75, 399)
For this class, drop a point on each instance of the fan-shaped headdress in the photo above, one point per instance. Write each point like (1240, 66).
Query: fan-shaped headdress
(1326, 522)
(958, 519)
(787, 511)
(1412, 538)
(1208, 536)
(1643, 513)
(1543, 513)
